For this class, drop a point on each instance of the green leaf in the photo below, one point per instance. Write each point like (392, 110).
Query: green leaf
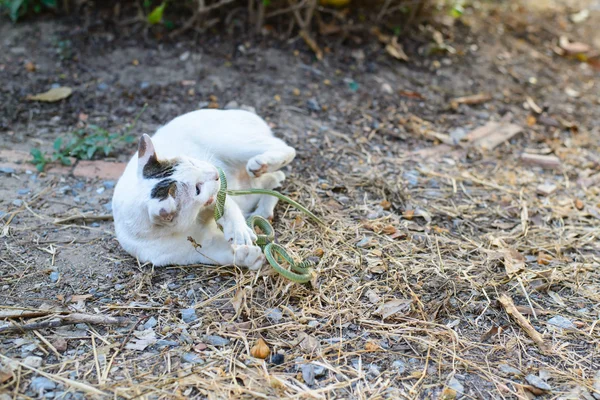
(65, 160)
(40, 166)
(266, 3)
(90, 152)
(15, 8)
(157, 14)
(147, 3)
(49, 3)
(58, 143)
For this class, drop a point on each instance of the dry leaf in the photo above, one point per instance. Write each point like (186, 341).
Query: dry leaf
(396, 306)
(579, 204)
(573, 47)
(52, 95)
(308, 343)
(531, 120)
(492, 134)
(448, 394)
(79, 297)
(29, 66)
(395, 50)
(371, 346)
(238, 299)
(389, 229)
(372, 296)
(514, 262)
(386, 205)
(409, 214)
(144, 339)
(494, 330)
(543, 258)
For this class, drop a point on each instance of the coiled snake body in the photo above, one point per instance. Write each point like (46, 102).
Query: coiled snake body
(300, 272)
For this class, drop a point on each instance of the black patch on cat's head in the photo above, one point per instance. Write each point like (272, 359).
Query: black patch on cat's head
(155, 169)
(163, 189)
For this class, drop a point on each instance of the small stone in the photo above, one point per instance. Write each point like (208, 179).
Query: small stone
(119, 286)
(508, 370)
(274, 314)
(102, 86)
(100, 190)
(151, 323)
(387, 88)
(54, 275)
(108, 206)
(60, 344)
(22, 192)
(537, 382)
(189, 315)
(456, 386)
(248, 108)
(308, 374)
(192, 358)
(562, 322)
(458, 134)
(313, 323)
(232, 105)
(17, 202)
(165, 343)
(144, 85)
(216, 341)
(320, 370)
(184, 56)
(40, 384)
(277, 359)
(313, 104)
(108, 184)
(33, 361)
(596, 386)
(173, 286)
(399, 366)
(7, 170)
(373, 371)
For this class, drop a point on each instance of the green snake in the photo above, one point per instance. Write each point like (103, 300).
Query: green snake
(300, 272)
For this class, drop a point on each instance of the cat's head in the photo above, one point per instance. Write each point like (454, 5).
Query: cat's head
(176, 189)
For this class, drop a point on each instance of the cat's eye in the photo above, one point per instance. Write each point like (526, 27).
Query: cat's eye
(197, 189)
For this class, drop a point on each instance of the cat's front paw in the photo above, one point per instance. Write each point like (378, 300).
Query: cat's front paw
(239, 234)
(250, 257)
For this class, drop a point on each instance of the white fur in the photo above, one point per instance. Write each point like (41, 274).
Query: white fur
(156, 230)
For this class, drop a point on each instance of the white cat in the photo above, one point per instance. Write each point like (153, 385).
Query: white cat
(168, 189)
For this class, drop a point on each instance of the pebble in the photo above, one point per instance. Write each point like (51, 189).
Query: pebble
(216, 341)
(399, 366)
(108, 184)
(151, 323)
(232, 105)
(17, 202)
(412, 177)
(144, 85)
(508, 370)
(102, 86)
(274, 314)
(188, 315)
(119, 286)
(54, 275)
(458, 134)
(536, 381)
(7, 170)
(308, 374)
(33, 361)
(457, 386)
(164, 343)
(313, 104)
(108, 206)
(562, 322)
(277, 359)
(596, 386)
(192, 358)
(173, 286)
(248, 108)
(100, 190)
(374, 371)
(184, 56)
(2, 214)
(41, 383)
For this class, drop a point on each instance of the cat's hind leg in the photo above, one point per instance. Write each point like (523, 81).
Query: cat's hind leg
(266, 204)
(270, 160)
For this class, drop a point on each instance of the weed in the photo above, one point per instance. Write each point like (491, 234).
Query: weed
(83, 144)
(18, 8)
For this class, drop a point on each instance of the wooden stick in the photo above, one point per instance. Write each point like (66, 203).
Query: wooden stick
(102, 217)
(69, 319)
(511, 309)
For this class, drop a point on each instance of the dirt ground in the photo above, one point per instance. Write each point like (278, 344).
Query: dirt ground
(431, 236)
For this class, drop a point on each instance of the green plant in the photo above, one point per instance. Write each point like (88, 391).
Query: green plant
(83, 144)
(18, 8)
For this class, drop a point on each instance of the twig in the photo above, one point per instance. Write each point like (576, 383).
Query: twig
(523, 322)
(69, 319)
(102, 217)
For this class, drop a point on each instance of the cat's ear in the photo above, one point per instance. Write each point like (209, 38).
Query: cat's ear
(146, 152)
(163, 212)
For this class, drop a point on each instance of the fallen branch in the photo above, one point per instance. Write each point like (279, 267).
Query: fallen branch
(103, 217)
(68, 319)
(511, 309)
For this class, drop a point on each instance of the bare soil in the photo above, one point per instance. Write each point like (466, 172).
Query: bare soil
(422, 239)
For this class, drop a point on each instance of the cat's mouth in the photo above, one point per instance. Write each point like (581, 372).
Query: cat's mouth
(210, 200)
